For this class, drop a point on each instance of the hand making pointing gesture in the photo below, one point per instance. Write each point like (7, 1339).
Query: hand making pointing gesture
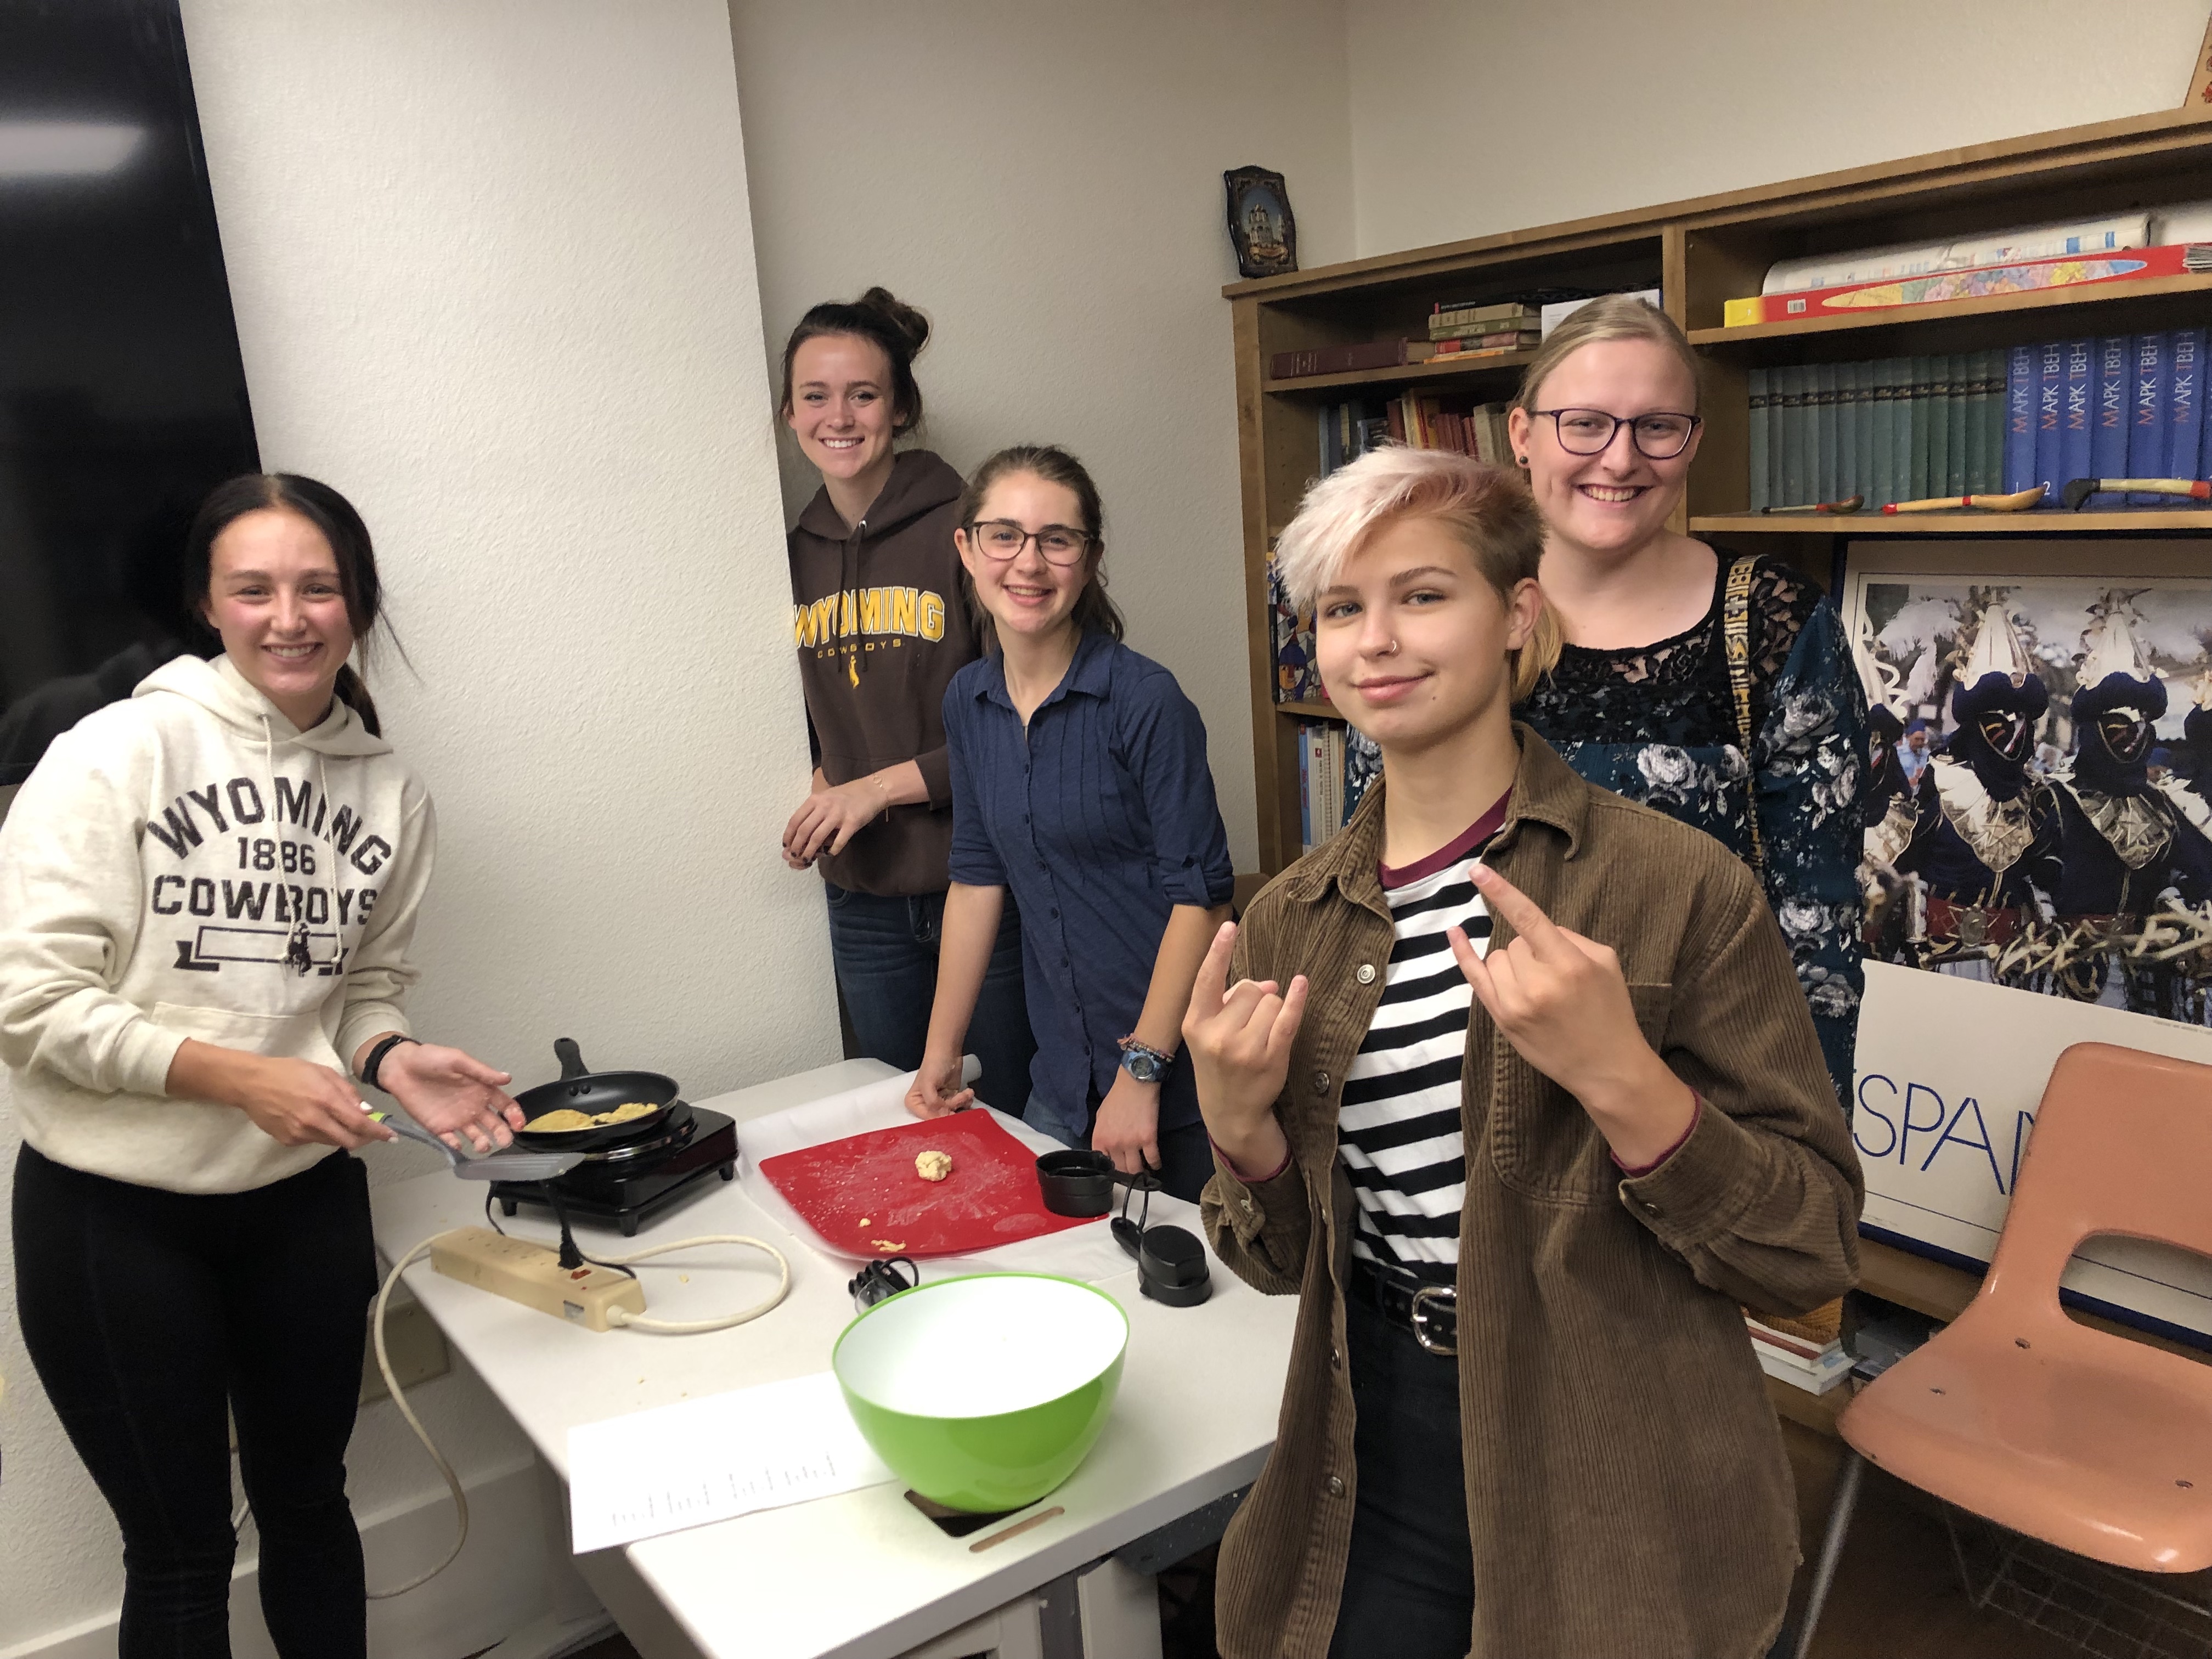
(1562, 1001)
(1238, 1037)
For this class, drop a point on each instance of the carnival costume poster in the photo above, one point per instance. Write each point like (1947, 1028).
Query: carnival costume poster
(2038, 828)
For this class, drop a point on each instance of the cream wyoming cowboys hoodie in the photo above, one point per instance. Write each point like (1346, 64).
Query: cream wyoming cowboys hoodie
(190, 864)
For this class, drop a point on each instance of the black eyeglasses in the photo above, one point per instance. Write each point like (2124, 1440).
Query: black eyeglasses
(1002, 539)
(1659, 436)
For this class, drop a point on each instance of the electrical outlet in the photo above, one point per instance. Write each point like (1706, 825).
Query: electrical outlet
(531, 1274)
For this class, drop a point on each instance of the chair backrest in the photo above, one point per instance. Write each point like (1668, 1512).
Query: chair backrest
(2122, 1144)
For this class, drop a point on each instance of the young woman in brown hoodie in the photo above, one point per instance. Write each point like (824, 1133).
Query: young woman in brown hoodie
(881, 629)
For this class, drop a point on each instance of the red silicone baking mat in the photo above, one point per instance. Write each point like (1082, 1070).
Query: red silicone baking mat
(862, 1193)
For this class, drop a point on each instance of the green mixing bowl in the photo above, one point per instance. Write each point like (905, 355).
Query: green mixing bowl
(984, 1393)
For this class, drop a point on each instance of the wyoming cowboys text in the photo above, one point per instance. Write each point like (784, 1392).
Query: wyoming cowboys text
(915, 613)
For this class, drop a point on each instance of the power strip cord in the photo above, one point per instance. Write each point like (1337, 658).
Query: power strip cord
(629, 1320)
(617, 1317)
(400, 1399)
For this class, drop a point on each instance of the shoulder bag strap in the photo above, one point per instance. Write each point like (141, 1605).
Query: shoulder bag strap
(1736, 630)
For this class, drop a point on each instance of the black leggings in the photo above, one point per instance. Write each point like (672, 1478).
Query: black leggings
(145, 1311)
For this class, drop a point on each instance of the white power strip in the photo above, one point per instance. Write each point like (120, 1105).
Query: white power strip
(524, 1271)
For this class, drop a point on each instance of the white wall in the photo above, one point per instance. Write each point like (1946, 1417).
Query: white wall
(1044, 180)
(1465, 117)
(493, 273)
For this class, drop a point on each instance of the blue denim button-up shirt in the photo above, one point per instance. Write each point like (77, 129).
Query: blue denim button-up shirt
(1099, 819)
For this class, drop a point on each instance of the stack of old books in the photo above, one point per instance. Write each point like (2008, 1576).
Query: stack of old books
(1807, 1352)
(1492, 329)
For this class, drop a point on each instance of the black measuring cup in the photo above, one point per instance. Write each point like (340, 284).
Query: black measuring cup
(1076, 1182)
(1170, 1261)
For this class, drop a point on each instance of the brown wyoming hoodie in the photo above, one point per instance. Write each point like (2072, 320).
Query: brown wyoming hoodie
(882, 628)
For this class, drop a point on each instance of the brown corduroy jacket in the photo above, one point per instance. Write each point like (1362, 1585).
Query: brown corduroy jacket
(1626, 1489)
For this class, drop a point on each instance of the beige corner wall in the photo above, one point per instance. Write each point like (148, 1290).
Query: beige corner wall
(1044, 179)
(493, 272)
(1468, 118)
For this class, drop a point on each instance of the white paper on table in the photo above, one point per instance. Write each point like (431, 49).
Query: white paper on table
(1086, 1253)
(680, 1466)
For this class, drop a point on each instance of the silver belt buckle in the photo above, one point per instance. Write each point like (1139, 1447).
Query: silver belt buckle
(1420, 1316)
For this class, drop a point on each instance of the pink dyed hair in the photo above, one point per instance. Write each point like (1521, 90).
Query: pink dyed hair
(1487, 509)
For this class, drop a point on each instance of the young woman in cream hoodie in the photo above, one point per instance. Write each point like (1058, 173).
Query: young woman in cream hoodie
(207, 894)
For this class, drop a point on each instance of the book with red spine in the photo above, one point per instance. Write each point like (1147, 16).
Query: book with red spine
(1336, 359)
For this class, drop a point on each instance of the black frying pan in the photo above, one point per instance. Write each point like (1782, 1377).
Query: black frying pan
(582, 1090)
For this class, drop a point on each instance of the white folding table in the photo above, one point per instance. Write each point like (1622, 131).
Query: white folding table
(864, 1575)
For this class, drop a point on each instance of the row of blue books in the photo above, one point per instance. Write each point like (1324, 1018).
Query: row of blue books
(2117, 406)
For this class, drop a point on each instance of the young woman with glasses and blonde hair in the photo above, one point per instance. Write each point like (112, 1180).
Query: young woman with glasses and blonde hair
(1634, 681)
(1080, 786)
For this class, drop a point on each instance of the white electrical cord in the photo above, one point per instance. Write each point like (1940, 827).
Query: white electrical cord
(620, 1317)
(400, 1399)
(625, 1318)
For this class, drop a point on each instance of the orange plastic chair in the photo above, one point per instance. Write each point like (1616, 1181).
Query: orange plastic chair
(2080, 1439)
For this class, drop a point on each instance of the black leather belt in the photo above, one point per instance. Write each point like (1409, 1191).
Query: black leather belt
(1429, 1311)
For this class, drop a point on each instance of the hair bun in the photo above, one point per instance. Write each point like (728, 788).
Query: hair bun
(912, 325)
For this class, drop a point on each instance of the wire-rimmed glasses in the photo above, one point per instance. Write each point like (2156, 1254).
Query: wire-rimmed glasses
(1659, 436)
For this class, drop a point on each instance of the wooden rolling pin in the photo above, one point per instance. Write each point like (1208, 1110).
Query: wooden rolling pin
(1849, 504)
(2019, 501)
(2078, 490)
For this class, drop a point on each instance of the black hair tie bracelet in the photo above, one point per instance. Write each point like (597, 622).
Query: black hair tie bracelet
(376, 1058)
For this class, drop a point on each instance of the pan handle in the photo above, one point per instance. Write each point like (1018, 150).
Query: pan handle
(571, 1058)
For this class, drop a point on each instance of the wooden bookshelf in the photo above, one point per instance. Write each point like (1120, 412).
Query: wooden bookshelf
(2152, 297)
(2150, 520)
(1506, 366)
(1701, 253)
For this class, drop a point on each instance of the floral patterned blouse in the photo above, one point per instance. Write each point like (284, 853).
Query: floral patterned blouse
(1656, 723)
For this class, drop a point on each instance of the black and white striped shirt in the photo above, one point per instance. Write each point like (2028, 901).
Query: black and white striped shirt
(1398, 1124)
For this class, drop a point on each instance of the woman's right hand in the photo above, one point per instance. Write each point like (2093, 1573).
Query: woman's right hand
(937, 1089)
(1238, 1037)
(830, 817)
(295, 1103)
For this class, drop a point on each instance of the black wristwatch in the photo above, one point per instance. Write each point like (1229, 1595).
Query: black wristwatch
(1145, 1064)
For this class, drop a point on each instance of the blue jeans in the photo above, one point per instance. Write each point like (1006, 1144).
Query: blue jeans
(886, 952)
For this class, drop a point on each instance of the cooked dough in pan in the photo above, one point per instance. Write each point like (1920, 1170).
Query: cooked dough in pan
(568, 1119)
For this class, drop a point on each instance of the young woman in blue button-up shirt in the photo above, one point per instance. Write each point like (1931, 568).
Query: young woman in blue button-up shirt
(1079, 783)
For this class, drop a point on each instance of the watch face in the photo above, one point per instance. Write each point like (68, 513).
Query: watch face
(1143, 1067)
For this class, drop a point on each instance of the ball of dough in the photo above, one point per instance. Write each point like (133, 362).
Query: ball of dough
(933, 1166)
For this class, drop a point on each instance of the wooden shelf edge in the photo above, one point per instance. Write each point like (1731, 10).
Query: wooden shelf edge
(1307, 711)
(1724, 206)
(1935, 1288)
(1942, 310)
(1952, 524)
(1817, 1412)
(1403, 374)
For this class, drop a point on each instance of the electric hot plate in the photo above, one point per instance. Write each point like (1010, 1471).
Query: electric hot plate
(631, 1182)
